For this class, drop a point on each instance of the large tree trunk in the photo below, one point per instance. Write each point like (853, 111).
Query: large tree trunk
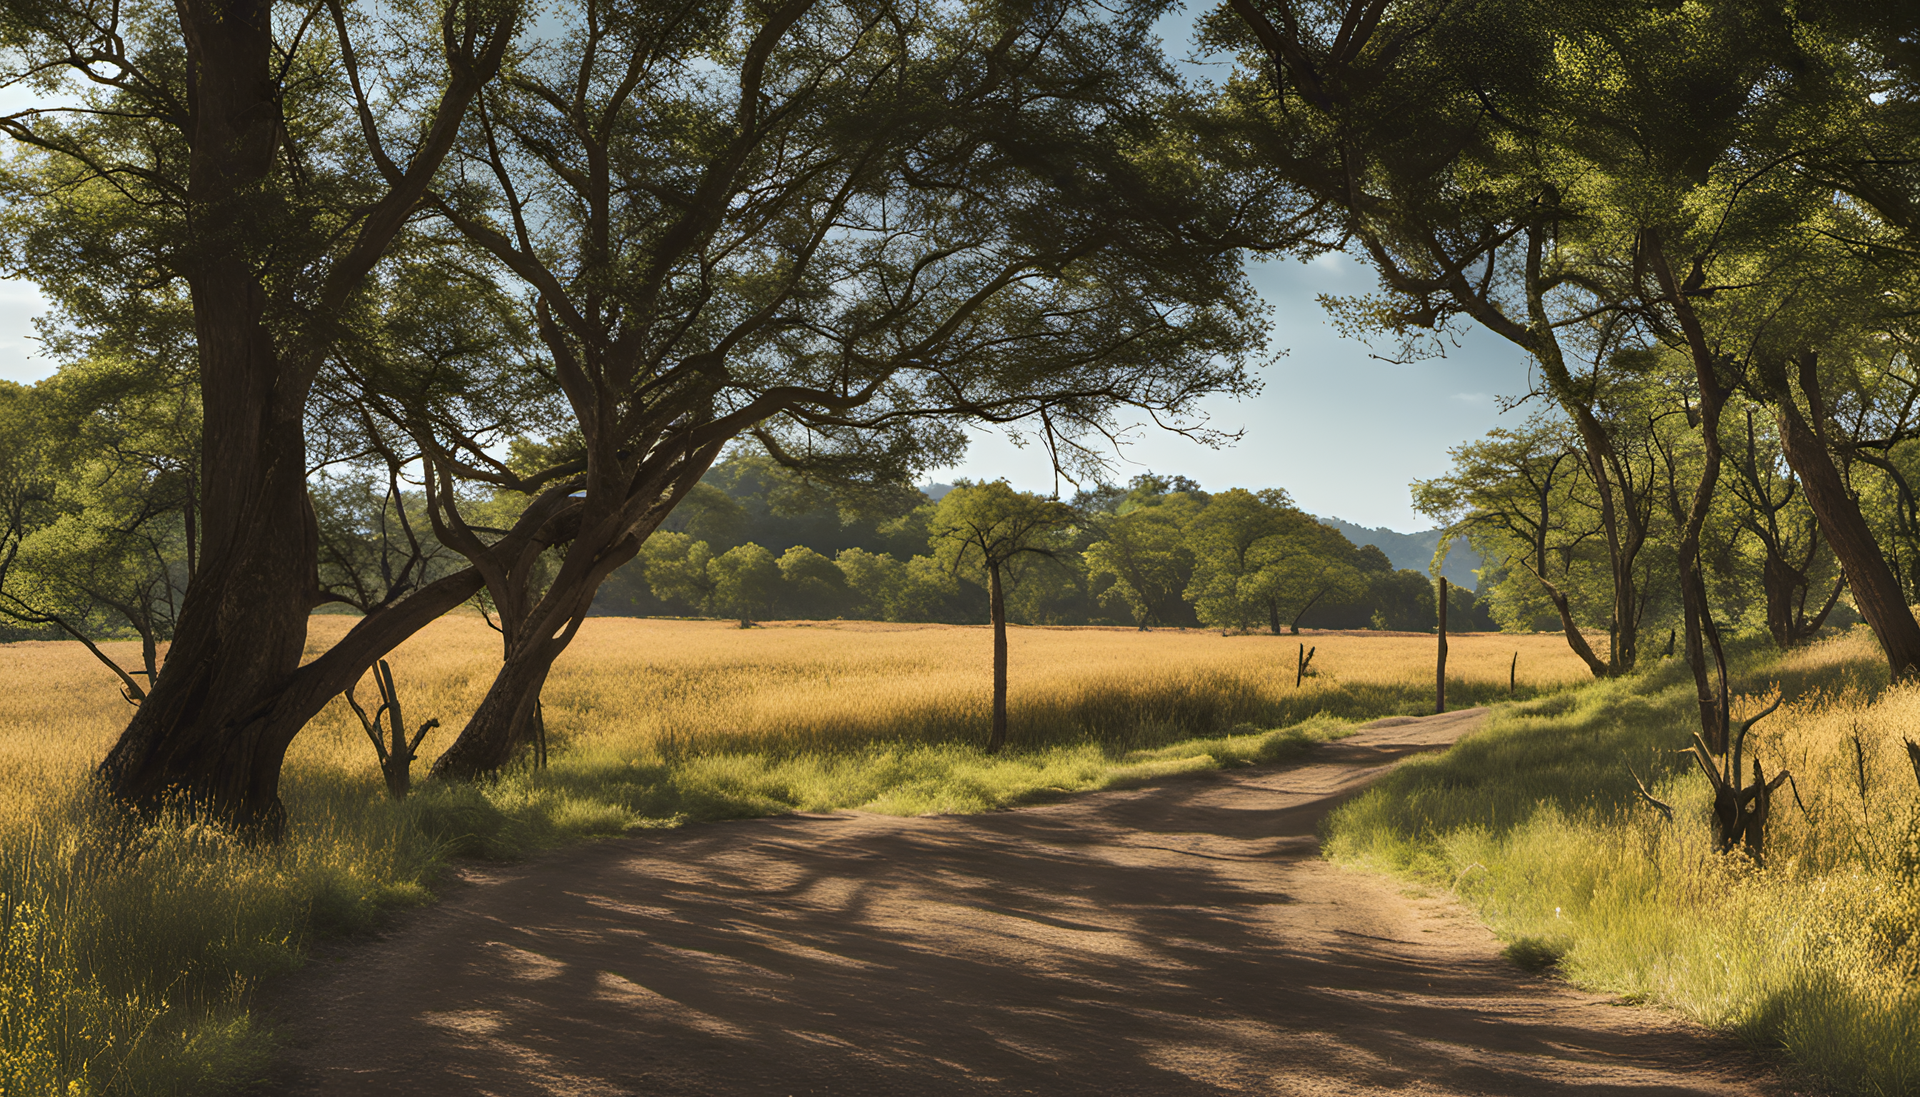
(509, 716)
(231, 768)
(1786, 594)
(242, 624)
(504, 722)
(1876, 593)
(997, 609)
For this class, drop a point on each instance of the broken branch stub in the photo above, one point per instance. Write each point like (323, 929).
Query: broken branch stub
(1739, 813)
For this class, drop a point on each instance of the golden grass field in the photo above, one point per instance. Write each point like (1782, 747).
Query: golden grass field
(697, 686)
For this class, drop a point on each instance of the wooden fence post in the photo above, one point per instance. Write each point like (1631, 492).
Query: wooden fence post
(1440, 669)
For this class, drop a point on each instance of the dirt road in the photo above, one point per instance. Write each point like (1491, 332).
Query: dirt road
(1180, 939)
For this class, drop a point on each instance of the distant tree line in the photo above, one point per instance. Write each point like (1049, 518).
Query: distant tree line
(752, 541)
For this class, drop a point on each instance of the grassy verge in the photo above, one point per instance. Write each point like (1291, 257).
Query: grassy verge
(1534, 823)
(129, 969)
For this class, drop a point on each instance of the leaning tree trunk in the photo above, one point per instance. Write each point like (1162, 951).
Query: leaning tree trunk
(1693, 587)
(504, 722)
(230, 766)
(1876, 593)
(509, 717)
(997, 610)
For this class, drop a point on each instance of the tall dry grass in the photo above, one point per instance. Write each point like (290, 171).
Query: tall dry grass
(130, 968)
(1534, 821)
(696, 687)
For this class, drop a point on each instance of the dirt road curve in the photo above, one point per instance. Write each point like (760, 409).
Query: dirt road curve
(1179, 939)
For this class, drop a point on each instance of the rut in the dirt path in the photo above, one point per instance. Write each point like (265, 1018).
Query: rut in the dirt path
(1180, 939)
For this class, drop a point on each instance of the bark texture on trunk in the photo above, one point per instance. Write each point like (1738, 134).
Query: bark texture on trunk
(603, 528)
(997, 608)
(509, 717)
(503, 724)
(231, 768)
(1876, 592)
(1713, 393)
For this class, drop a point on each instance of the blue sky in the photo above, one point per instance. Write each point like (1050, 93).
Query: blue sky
(1341, 430)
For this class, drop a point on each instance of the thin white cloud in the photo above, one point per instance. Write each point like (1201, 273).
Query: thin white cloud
(20, 358)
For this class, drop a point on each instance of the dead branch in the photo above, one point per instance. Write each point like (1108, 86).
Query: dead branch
(1640, 788)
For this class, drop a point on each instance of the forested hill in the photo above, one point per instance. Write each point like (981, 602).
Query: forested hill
(1415, 550)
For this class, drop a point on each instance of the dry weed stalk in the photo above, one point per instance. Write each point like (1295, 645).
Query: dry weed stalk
(398, 752)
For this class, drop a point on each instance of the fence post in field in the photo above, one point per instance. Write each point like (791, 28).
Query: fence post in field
(1512, 669)
(1440, 663)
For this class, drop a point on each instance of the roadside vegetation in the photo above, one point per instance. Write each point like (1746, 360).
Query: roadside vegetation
(130, 964)
(1536, 823)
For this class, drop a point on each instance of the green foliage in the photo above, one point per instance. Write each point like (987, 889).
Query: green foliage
(746, 580)
(98, 502)
(1525, 499)
(1259, 560)
(990, 527)
(675, 565)
(1129, 553)
(1144, 557)
(810, 584)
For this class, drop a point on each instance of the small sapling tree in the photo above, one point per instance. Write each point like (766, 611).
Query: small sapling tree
(986, 529)
(390, 740)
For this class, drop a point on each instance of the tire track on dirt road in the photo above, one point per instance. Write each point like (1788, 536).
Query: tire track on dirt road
(1183, 938)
